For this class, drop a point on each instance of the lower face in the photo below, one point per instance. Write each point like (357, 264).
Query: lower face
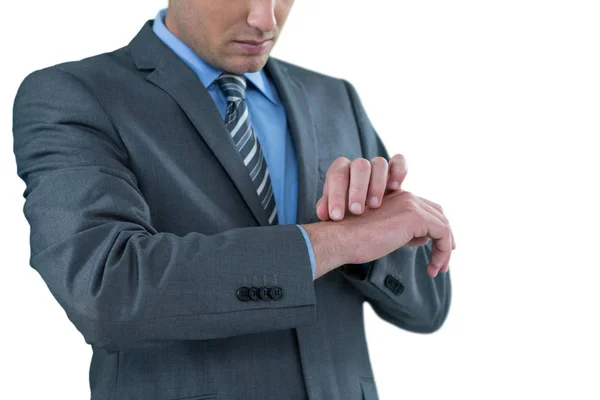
(214, 28)
(243, 57)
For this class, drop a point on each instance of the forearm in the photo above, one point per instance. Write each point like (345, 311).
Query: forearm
(330, 248)
(126, 288)
(407, 296)
(397, 285)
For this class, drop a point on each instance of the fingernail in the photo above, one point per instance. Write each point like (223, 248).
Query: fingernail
(355, 207)
(433, 271)
(373, 201)
(336, 213)
(395, 185)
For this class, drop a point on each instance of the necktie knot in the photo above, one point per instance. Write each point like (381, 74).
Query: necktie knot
(233, 86)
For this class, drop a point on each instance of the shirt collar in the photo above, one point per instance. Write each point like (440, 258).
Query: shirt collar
(206, 72)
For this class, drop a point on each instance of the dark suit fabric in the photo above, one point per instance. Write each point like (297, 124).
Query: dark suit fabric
(144, 223)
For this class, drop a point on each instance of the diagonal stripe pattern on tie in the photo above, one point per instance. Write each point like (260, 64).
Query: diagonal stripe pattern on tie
(245, 140)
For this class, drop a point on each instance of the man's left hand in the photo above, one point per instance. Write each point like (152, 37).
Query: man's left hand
(358, 183)
(353, 185)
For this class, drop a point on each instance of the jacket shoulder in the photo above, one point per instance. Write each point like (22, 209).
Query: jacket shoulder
(96, 68)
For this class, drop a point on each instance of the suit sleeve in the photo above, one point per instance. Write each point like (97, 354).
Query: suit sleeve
(311, 253)
(121, 282)
(397, 286)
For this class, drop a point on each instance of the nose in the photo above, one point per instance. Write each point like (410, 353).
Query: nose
(262, 15)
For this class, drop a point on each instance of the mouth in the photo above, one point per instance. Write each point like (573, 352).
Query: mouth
(254, 42)
(253, 47)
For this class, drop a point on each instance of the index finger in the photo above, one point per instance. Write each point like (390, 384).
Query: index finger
(338, 179)
(397, 172)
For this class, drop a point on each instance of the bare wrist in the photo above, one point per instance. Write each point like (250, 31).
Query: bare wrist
(330, 248)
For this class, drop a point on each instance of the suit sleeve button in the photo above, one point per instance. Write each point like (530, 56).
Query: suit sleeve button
(264, 293)
(253, 293)
(276, 293)
(394, 285)
(242, 293)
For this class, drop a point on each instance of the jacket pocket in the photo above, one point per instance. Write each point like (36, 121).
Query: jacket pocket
(369, 391)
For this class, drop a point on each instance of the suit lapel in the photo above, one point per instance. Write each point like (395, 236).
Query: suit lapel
(295, 101)
(173, 76)
(196, 102)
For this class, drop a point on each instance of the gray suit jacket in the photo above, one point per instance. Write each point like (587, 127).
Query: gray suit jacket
(144, 224)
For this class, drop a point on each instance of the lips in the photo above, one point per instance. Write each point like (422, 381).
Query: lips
(253, 42)
(253, 48)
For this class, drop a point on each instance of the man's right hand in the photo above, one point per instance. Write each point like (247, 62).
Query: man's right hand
(403, 219)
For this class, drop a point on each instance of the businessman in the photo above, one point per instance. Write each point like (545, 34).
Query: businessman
(212, 219)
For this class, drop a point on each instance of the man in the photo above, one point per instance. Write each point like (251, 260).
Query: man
(171, 189)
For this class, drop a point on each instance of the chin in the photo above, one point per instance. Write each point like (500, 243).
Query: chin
(248, 64)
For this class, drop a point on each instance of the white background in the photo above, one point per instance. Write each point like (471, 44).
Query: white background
(496, 107)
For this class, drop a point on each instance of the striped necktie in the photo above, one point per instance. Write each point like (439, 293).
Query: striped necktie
(245, 140)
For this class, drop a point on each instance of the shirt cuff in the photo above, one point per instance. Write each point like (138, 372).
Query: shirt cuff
(313, 264)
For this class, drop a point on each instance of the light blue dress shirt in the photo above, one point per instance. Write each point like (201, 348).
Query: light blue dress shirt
(268, 119)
